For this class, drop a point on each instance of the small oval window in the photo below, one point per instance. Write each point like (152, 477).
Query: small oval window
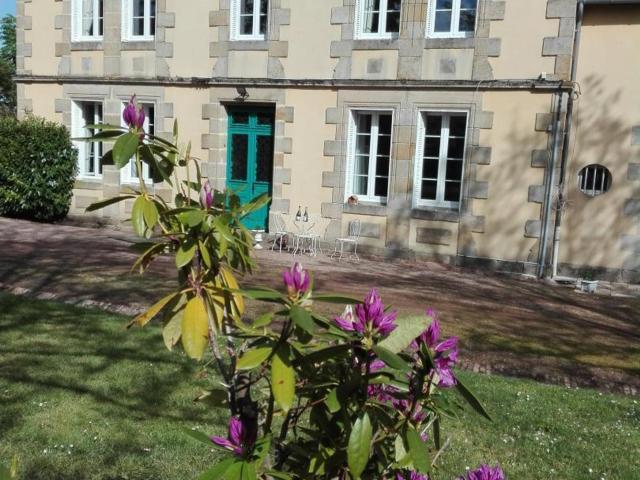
(594, 180)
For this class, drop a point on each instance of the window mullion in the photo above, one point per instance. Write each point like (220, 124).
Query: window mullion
(255, 28)
(375, 129)
(442, 162)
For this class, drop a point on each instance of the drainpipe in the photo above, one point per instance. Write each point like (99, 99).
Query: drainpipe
(566, 145)
(548, 188)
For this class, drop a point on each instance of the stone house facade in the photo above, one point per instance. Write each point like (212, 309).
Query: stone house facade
(462, 127)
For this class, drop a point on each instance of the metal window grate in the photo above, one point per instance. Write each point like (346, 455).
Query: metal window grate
(594, 180)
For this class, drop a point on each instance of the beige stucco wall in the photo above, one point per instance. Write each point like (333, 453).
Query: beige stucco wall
(522, 33)
(507, 209)
(309, 35)
(191, 38)
(87, 63)
(447, 64)
(307, 160)
(374, 64)
(608, 108)
(43, 99)
(449, 249)
(187, 109)
(248, 64)
(42, 36)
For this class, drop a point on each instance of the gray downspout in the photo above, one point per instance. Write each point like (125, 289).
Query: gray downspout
(548, 189)
(566, 144)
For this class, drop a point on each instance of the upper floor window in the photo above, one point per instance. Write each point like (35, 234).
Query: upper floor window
(129, 174)
(138, 20)
(369, 155)
(378, 18)
(249, 19)
(87, 20)
(452, 18)
(440, 159)
(89, 153)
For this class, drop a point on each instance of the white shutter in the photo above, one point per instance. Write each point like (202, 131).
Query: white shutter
(126, 20)
(357, 22)
(76, 132)
(351, 143)
(234, 20)
(417, 175)
(76, 20)
(431, 18)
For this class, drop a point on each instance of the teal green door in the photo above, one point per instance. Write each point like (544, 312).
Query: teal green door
(250, 158)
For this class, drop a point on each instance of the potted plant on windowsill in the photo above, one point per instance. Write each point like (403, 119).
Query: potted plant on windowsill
(588, 284)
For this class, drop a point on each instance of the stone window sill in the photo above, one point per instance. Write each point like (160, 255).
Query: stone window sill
(249, 45)
(451, 42)
(373, 209)
(86, 46)
(436, 214)
(376, 44)
(85, 184)
(138, 45)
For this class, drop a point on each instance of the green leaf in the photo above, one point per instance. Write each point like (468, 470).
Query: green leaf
(199, 436)
(263, 320)
(262, 294)
(254, 358)
(405, 333)
(195, 328)
(302, 318)
(105, 203)
(137, 217)
(472, 400)
(150, 214)
(401, 455)
(217, 472)
(359, 447)
(339, 299)
(172, 330)
(283, 378)
(125, 148)
(147, 316)
(390, 358)
(418, 451)
(192, 218)
(204, 254)
(436, 433)
(279, 475)
(185, 254)
(333, 401)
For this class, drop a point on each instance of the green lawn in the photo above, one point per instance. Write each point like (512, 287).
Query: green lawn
(82, 398)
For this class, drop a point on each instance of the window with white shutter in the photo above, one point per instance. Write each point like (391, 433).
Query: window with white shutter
(138, 20)
(439, 163)
(89, 153)
(129, 174)
(249, 19)
(369, 155)
(377, 18)
(452, 18)
(87, 20)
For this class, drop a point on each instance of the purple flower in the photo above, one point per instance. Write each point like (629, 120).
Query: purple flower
(133, 115)
(485, 472)
(431, 335)
(240, 440)
(370, 317)
(411, 476)
(206, 195)
(296, 280)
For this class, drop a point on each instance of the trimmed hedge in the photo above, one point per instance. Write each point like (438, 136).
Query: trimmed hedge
(38, 165)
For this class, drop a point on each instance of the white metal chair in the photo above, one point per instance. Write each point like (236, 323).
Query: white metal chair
(318, 232)
(304, 239)
(281, 233)
(352, 238)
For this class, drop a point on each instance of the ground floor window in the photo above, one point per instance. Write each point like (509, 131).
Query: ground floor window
(369, 155)
(440, 159)
(89, 153)
(129, 174)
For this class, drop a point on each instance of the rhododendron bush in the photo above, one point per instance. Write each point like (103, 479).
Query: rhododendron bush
(360, 394)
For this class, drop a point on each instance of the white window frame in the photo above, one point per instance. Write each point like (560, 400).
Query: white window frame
(234, 13)
(373, 149)
(454, 31)
(382, 33)
(77, 21)
(79, 130)
(127, 177)
(439, 202)
(127, 22)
